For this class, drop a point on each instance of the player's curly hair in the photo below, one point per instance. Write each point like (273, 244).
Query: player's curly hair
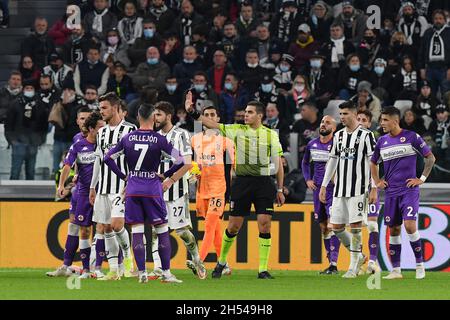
(92, 120)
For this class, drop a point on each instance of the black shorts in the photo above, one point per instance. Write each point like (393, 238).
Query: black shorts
(248, 190)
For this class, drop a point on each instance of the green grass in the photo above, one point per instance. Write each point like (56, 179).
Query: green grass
(33, 284)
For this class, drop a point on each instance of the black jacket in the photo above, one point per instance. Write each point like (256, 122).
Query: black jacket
(26, 121)
(295, 183)
(424, 59)
(349, 80)
(39, 47)
(75, 51)
(6, 99)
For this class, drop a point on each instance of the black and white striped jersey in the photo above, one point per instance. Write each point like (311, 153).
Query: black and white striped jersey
(353, 152)
(107, 138)
(180, 140)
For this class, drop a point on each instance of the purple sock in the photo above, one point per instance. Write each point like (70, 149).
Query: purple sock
(139, 250)
(164, 250)
(373, 245)
(395, 251)
(417, 249)
(334, 248)
(120, 257)
(85, 254)
(70, 249)
(326, 242)
(99, 253)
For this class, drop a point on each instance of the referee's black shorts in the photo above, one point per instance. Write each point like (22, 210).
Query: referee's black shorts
(245, 190)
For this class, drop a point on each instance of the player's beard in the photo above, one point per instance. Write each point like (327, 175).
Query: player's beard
(159, 126)
(324, 133)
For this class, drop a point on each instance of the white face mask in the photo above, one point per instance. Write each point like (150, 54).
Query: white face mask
(252, 65)
(299, 88)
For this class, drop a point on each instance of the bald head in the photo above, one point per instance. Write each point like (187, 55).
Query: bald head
(327, 126)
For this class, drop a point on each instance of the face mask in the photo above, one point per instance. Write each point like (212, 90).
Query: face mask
(299, 88)
(188, 61)
(92, 62)
(315, 63)
(152, 61)
(314, 19)
(228, 86)
(284, 68)
(408, 17)
(354, 67)
(171, 88)
(379, 70)
(199, 87)
(252, 65)
(28, 94)
(149, 33)
(113, 40)
(369, 40)
(266, 87)
(76, 37)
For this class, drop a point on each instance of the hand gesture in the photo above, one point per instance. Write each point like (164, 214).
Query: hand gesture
(413, 182)
(188, 104)
(311, 185)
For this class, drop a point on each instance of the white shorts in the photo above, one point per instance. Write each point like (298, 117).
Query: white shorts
(107, 206)
(347, 210)
(178, 213)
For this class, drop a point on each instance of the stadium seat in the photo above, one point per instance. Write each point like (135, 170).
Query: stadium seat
(403, 105)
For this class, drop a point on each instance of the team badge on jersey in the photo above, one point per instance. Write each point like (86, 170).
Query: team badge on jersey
(402, 139)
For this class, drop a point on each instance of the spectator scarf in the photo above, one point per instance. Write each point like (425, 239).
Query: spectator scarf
(282, 77)
(437, 51)
(409, 80)
(284, 26)
(305, 44)
(409, 29)
(186, 29)
(337, 50)
(97, 24)
(246, 24)
(157, 12)
(315, 77)
(299, 98)
(129, 24)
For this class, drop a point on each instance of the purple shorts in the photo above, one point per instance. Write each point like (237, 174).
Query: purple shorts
(73, 201)
(84, 210)
(151, 210)
(322, 210)
(399, 208)
(374, 209)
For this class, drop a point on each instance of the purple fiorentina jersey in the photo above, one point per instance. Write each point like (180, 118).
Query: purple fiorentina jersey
(142, 150)
(83, 153)
(77, 137)
(399, 157)
(318, 153)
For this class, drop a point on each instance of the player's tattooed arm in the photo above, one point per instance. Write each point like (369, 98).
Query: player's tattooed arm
(429, 161)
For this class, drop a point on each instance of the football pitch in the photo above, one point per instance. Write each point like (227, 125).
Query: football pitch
(241, 285)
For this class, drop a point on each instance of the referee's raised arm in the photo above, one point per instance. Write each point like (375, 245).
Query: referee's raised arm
(211, 124)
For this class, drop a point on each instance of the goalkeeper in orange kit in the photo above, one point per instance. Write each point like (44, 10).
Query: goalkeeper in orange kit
(210, 149)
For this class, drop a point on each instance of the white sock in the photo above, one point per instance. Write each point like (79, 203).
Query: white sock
(355, 248)
(189, 241)
(93, 255)
(155, 253)
(344, 236)
(112, 248)
(124, 242)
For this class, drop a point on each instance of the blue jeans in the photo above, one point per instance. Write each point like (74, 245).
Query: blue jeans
(23, 152)
(438, 79)
(59, 147)
(5, 7)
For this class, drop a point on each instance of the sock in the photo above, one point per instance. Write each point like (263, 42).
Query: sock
(112, 251)
(335, 244)
(218, 238)
(373, 245)
(344, 237)
(210, 228)
(123, 238)
(416, 245)
(164, 248)
(155, 250)
(189, 241)
(265, 243)
(139, 250)
(71, 246)
(355, 248)
(395, 250)
(120, 256)
(70, 249)
(93, 254)
(326, 242)
(99, 251)
(227, 241)
(85, 253)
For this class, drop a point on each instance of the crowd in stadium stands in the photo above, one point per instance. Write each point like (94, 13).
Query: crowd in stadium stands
(295, 56)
